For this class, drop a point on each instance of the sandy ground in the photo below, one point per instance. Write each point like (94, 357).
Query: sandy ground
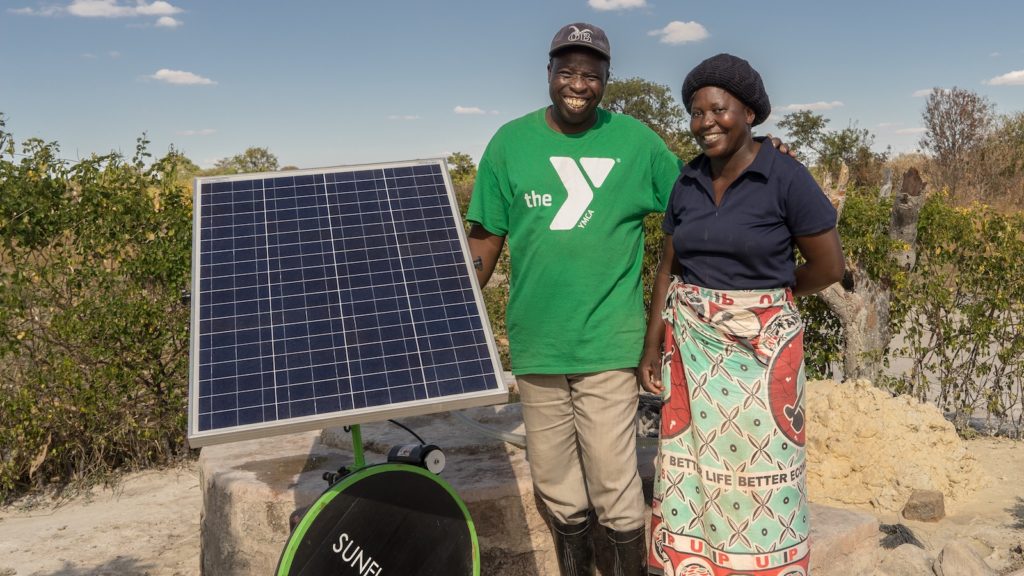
(148, 523)
(991, 520)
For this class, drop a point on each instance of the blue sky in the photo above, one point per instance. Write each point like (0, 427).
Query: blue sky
(324, 83)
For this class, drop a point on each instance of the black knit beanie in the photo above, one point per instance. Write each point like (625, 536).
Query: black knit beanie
(734, 75)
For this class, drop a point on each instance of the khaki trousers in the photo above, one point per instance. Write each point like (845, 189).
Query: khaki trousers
(581, 445)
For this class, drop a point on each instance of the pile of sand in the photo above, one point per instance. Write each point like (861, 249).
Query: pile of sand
(868, 449)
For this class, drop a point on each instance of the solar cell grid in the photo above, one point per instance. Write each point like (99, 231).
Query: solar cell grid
(333, 296)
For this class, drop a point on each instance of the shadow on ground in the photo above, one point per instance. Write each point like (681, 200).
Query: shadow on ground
(120, 566)
(1017, 511)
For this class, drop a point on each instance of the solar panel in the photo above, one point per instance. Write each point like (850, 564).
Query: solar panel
(330, 297)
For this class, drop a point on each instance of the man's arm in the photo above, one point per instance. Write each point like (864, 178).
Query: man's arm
(650, 360)
(484, 249)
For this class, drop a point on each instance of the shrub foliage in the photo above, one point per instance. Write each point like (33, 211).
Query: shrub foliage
(93, 333)
(964, 330)
(94, 256)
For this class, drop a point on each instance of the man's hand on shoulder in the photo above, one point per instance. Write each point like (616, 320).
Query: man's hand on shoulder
(779, 145)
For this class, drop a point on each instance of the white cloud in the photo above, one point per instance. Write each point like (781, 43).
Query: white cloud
(109, 9)
(158, 8)
(814, 106)
(179, 77)
(911, 131)
(605, 5)
(681, 32)
(471, 110)
(98, 9)
(403, 117)
(201, 132)
(1015, 78)
(47, 11)
(167, 22)
(114, 54)
(114, 9)
(994, 55)
(924, 92)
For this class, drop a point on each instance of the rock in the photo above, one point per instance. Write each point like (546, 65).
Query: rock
(925, 505)
(868, 449)
(999, 559)
(906, 560)
(845, 538)
(957, 559)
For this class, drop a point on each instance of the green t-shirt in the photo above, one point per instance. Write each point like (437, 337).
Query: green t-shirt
(572, 208)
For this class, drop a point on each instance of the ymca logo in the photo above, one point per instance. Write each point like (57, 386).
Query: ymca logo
(580, 192)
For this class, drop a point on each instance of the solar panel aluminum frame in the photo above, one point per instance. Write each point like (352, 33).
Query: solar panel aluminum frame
(198, 438)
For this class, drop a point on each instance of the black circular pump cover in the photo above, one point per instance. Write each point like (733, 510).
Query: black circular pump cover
(383, 520)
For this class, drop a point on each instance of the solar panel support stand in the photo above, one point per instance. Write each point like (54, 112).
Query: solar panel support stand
(359, 458)
(332, 478)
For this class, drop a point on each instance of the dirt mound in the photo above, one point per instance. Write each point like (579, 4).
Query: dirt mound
(868, 449)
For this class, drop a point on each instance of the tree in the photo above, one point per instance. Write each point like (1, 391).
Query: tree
(831, 149)
(997, 167)
(879, 255)
(461, 168)
(852, 146)
(805, 131)
(254, 159)
(654, 105)
(463, 173)
(956, 122)
(180, 169)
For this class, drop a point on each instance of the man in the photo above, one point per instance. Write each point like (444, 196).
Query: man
(568, 186)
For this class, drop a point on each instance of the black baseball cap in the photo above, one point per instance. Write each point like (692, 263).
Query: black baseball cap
(581, 34)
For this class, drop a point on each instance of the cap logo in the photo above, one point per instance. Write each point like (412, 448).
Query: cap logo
(579, 35)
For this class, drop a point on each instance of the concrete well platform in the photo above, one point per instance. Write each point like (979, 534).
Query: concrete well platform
(250, 488)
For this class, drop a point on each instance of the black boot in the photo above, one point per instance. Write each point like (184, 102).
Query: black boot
(630, 551)
(574, 548)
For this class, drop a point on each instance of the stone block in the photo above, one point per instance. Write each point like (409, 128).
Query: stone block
(842, 541)
(925, 505)
(957, 559)
(906, 560)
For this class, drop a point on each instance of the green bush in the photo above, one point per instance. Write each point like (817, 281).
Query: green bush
(93, 333)
(964, 329)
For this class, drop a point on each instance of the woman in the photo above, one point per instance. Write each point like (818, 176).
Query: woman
(726, 348)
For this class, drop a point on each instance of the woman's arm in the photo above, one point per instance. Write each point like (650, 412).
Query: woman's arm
(650, 361)
(824, 263)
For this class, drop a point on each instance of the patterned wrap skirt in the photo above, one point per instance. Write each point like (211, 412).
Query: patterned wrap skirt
(730, 494)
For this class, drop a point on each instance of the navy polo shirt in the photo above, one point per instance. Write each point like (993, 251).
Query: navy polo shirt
(746, 243)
